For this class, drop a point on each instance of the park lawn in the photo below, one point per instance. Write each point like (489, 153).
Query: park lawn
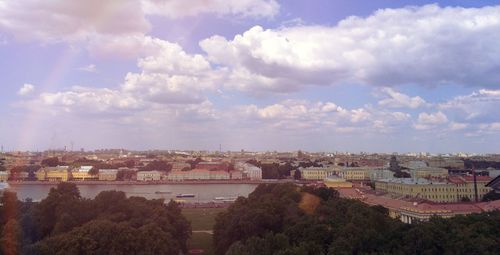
(202, 218)
(201, 241)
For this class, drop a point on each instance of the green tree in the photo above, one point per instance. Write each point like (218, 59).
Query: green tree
(51, 162)
(394, 164)
(297, 175)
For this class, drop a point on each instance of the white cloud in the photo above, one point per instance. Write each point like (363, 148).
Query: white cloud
(479, 106)
(26, 89)
(399, 100)
(430, 120)
(170, 83)
(182, 8)
(304, 116)
(91, 68)
(426, 45)
(59, 20)
(454, 126)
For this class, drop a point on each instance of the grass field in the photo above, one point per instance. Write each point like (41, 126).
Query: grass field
(201, 219)
(201, 241)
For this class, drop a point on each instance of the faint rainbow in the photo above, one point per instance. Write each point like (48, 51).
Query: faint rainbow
(30, 129)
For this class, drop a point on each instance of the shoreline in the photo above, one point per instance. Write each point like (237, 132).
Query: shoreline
(13, 183)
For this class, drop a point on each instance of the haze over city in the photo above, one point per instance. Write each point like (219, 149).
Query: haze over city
(377, 76)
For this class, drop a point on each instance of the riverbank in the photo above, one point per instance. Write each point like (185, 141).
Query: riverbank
(151, 182)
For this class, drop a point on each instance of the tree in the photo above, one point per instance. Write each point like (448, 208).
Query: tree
(158, 165)
(51, 162)
(125, 175)
(401, 174)
(11, 240)
(94, 171)
(297, 175)
(394, 164)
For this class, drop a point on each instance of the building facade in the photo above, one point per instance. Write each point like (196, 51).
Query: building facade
(452, 190)
(108, 174)
(149, 175)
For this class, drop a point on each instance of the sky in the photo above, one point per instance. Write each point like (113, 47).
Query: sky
(332, 75)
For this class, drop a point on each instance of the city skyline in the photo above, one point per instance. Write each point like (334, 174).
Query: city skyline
(255, 75)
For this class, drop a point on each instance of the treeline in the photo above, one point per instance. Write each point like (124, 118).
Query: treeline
(281, 219)
(277, 171)
(66, 223)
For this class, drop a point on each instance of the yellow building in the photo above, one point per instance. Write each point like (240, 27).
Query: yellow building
(336, 182)
(58, 175)
(354, 173)
(314, 173)
(454, 189)
(426, 172)
(41, 175)
(4, 176)
(82, 176)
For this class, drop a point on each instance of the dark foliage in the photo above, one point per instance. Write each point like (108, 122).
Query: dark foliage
(270, 221)
(51, 162)
(66, 223)
(158, 165)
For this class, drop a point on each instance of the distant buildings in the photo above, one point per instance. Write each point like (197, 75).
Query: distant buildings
(108, 174)
(315, 173)
(249, 171)
(4, 176)
(58, 173)
(83, 173)
(149, 175)
(453, 189)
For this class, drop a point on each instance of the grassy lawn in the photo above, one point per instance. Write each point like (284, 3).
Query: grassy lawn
(201, 218)
(201, 241)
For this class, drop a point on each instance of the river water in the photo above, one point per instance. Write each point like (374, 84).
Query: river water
(203, 192)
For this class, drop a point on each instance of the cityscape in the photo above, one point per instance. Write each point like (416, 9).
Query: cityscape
(249, 127)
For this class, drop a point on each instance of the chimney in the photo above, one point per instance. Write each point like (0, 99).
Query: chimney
(475, 183)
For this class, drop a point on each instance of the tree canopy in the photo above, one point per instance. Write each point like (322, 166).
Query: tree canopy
(66, 223)
(285, 219)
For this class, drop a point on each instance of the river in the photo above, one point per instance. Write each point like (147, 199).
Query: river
(203, 192)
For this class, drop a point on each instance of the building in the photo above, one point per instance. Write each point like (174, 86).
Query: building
(354, 173)
(149, 175)
(465, 186)
(4, 176)
(107, 174)
(337, 182)
(83, 173)
(58, 173)
(451, 190)
(249, 171)
(236, 175)
(198, 174)
(429, 172)
(379, 174)
(315, 173)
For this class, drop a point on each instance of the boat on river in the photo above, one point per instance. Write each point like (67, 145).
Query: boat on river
(163, 192)
(185, 195)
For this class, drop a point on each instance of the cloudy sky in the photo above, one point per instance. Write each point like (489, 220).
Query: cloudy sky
(332, 75)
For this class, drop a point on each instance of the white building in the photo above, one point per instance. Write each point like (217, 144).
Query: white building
(149, 175)
(250, 171)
